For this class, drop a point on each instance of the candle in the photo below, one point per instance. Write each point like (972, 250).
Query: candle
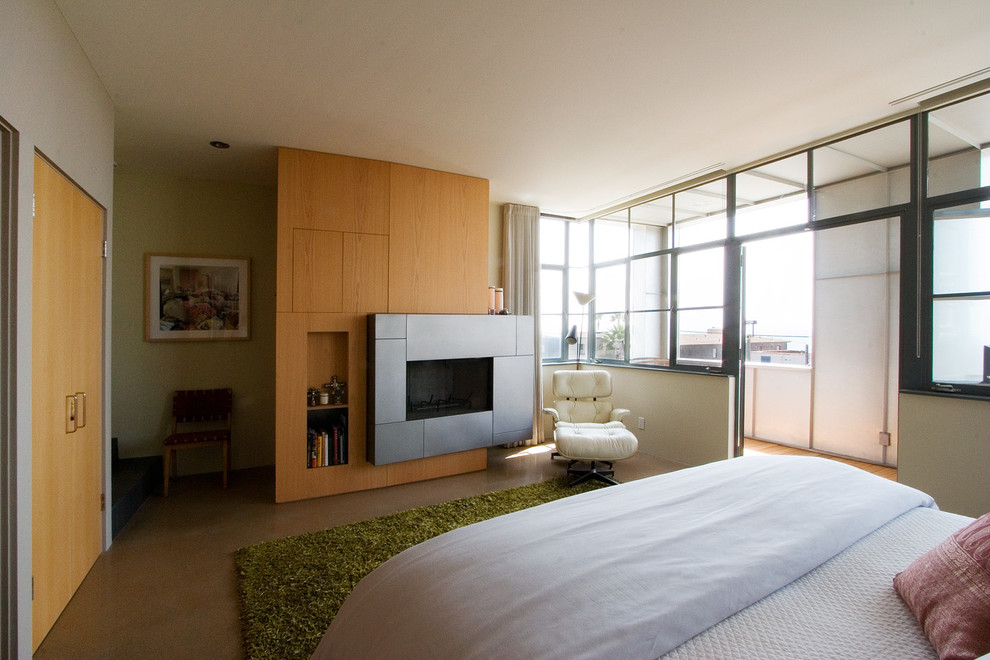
(491, 300)
(499, 300)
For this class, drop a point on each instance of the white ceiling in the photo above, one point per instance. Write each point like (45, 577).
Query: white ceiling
(569, 105)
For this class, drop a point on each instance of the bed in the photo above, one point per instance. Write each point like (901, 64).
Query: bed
(755, 557)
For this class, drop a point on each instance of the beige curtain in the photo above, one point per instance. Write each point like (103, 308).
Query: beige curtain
(521, 285)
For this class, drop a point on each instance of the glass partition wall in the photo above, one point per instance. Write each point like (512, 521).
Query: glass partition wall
(855, 261)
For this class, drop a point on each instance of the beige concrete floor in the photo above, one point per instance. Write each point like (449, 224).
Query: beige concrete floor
(167, 589)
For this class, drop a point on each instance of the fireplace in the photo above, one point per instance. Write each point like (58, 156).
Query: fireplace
(445, 383)
(440, 388)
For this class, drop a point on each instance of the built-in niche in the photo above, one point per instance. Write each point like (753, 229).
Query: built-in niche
(327, 437)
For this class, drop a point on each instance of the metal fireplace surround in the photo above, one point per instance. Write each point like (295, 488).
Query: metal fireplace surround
(493, 352)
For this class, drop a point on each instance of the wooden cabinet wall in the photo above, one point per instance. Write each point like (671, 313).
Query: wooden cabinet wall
(439, 251)
(358, 237)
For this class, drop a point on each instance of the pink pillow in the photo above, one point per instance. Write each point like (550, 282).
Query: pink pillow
(948, 589)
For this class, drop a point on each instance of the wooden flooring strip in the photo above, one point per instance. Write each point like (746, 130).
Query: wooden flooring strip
(753, 446)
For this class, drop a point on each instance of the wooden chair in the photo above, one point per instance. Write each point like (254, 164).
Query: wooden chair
(205, 416)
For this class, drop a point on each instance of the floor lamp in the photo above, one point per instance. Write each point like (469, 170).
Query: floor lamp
(572, 336)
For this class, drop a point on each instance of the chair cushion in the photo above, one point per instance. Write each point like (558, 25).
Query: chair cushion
(584, 411)
(595, 442)
(583, 384)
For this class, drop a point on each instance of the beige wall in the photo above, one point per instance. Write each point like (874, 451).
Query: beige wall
(186, 216)
(945, 450)
(687, 417)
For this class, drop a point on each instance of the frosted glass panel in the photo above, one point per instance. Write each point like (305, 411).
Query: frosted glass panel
(855, 337)
(865, 172)
(960, 330)
(870, 247)
(957, 151)
(850, 357)
(962, 242)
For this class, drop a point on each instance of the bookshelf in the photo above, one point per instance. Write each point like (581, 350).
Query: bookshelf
(326, 436)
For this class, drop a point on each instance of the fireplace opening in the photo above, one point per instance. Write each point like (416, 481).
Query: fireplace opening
(440, 388)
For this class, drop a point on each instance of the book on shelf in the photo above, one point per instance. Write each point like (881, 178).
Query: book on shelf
(325, 447)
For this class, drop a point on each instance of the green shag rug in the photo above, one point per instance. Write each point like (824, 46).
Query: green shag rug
(291, 588)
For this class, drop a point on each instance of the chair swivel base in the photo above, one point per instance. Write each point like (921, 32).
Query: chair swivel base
(592, 472)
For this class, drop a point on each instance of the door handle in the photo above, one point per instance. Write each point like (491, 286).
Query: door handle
(75, 414)
(70, 413)
(80, 410)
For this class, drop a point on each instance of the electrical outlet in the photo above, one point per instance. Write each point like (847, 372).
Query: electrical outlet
(640, 423)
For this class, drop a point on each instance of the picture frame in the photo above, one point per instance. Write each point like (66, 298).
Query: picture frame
(193, 297)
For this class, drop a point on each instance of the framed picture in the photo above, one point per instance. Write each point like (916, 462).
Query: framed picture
(193, 297)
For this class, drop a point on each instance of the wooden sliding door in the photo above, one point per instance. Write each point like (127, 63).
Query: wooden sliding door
(66, 392)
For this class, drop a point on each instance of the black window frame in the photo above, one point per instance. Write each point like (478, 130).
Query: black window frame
(916, 261)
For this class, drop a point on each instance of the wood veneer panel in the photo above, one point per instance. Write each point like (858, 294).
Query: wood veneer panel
(438, 246)
(317, 271)
(283, 266)
(332, 192)
(365, 273)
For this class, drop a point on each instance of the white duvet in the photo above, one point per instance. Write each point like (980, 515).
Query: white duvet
(630, 571)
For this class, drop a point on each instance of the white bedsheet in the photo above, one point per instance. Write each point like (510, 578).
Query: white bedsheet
(845, 608)
(630, 571)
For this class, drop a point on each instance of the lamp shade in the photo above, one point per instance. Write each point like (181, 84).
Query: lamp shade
(583, 298)
(571, 337)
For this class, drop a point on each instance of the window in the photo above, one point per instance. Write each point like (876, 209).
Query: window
(952, 283)
(553, 259)
(862, 173)
(699, 306)
(681, 281)
(772, 196)
(961, 295)
(779, 278)
(958, 147)
(626, 260)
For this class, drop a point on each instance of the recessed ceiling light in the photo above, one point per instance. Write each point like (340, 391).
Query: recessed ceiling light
(219, 145)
